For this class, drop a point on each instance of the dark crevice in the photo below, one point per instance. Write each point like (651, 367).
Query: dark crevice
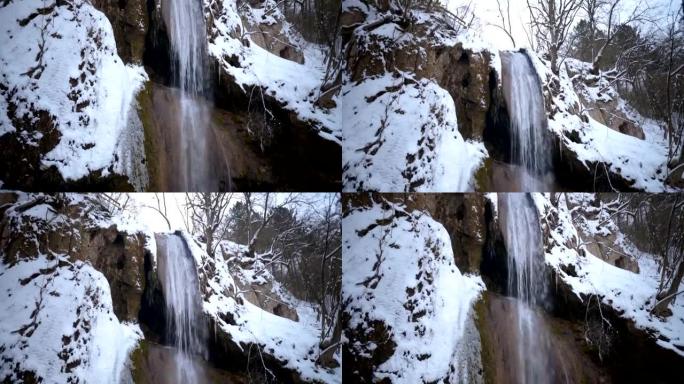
(157, 55)
(496, 135)
(493, 267)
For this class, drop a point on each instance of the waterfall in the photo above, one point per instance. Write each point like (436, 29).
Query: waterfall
(529, 145)
(527, 282)
(185, 323)
(184, 20)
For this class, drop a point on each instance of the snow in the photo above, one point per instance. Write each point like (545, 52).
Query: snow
(294, 342)
(631, 294)
(389, 252)
(296, 86)
(84, 86)
(60, 324)
(401, 134)
(641, 162)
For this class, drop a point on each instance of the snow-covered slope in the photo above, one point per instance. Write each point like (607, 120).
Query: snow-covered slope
(295, 86)
(631, 294)
(57, 320)
(407, 303)
(400, 124)
(57, 324)
(65, 92)
(295, 343)
(600, 149)
(401, 134)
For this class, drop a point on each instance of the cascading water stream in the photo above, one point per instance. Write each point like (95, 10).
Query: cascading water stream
(184, 20)
(185, 323)
(527, 282)
(529, 145)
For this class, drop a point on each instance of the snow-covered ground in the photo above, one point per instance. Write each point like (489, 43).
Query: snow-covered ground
(631, 294)
(642, 162)
(401, 134)
(296, 86)
(294, 342)
(62, 59)
(57, 321)
(398, 268)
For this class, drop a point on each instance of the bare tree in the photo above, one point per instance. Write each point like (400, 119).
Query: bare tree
(207, 214)
(160, 207)
(638, 14)
(550, 21)
(505, 19)
(267, 203)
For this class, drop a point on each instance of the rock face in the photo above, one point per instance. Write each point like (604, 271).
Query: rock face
(463, 216)
(154, 364)
(497, 322)
(118, 255)
(603, 106)
(267, 32)
(130, 23)
(599, 235)
(629, 354)
(465, 74)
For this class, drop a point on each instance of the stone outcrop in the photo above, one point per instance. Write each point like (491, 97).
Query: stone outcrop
(130, 22)
(268, 33)
(629, 354)
(463, 72)
(118, 255)
(463, 216)
(603, 105)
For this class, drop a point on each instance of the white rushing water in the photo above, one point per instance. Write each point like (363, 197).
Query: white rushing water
(184, 20)
(184, 319)
(527, 282)
(525, 102)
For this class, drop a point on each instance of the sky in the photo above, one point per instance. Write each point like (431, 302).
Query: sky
(487, 12)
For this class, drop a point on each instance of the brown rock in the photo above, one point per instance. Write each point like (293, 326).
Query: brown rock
(130, 24)
(463, 73)
(271, 38)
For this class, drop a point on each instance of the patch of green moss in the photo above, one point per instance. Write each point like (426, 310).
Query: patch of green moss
(137, 358)
(482, 175)
(144, 99)
(485, 339)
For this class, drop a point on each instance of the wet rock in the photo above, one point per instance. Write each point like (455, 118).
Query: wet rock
(632, 354)
(498, 325)
(155, 364)
(360, 361)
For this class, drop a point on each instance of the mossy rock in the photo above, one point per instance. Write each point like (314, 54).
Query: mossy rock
(144, 106)
(482, 175)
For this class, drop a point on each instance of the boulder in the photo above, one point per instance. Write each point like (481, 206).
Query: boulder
(270, 36)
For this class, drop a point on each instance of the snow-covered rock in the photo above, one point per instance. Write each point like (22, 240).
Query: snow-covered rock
(415, 102)
(407, 306)
(263, 70)
(630, 294)
(600, 158)
(65, 98)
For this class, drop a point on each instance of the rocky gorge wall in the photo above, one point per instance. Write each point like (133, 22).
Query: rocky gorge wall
(74, 232)
(474, 226)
